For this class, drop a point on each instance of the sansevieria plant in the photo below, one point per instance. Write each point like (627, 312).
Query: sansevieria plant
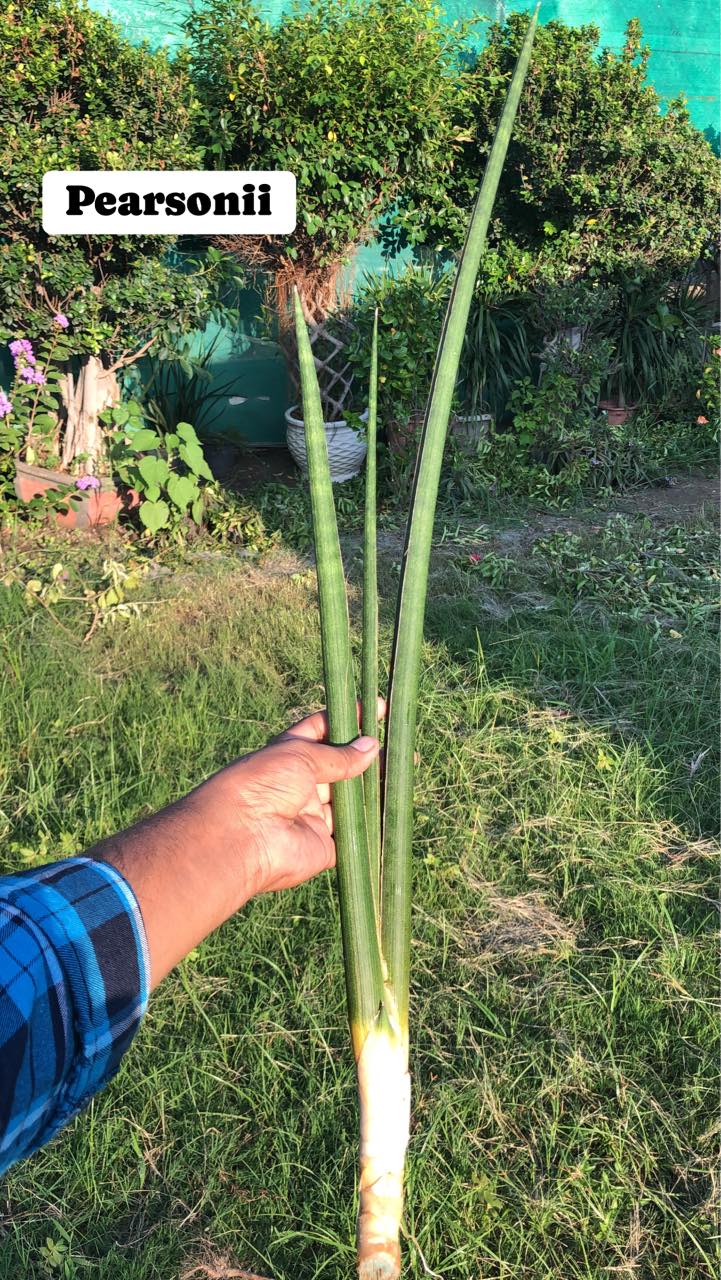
(374, 829)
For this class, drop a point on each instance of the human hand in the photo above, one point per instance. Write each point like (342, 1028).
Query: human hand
(280, 799)
(262, 823)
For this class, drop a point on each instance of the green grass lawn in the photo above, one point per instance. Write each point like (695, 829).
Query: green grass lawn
(564, 980)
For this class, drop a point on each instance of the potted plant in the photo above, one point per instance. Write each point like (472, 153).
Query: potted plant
(346, 444)
(647, 325)
(410, 310)
(118, 106)
(32, 413)
(495, 356)
(359, 102)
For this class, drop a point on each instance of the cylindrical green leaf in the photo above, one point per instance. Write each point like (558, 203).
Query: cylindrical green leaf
(408, 636)
(369, 674)
(363, 969)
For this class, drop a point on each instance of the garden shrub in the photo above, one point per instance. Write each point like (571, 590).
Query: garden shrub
(550, 441)
(360, 99)
(30, 411)
(658, 340)
(411, 307)
(708, 393)
(598, 178)
(78, 95)
(167, 472)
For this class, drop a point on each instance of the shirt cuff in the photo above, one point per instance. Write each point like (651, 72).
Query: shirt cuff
(90, 919)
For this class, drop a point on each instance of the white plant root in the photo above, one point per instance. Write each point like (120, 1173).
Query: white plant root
(384, 1091)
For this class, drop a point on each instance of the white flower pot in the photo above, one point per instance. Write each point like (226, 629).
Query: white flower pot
(571, 336)
(347, 448)
(469, 429)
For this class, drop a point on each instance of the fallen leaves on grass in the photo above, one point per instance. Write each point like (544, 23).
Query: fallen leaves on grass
(518, 924)
(219, 1268)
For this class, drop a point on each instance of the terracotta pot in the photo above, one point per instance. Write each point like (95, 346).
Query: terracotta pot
(615, 413)
(404, 436)
(90, 507)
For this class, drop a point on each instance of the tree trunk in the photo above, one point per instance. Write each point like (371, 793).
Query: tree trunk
(323, 310)
(85, 397)
(321, 298)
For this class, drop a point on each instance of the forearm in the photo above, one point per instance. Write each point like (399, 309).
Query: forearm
(74, 978)
(189, 872)
(85, 939)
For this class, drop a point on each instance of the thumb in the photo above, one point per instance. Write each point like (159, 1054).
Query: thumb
(334, 764)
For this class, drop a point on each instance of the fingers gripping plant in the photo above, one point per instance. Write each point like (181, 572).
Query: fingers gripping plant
(374, 842)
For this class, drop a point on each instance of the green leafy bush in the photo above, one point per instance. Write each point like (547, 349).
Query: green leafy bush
(658, 341)
(558, 306)
(165, 471)
(557, 421)
(30, 412)
(496, 352)
(708, 394)
(360, 99)
(78, 95)
(410, 307)
(598, 178)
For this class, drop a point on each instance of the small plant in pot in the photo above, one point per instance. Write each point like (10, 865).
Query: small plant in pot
(495, 356)
(651, 324)
(360, 101)
(410, 313)
(35, 428)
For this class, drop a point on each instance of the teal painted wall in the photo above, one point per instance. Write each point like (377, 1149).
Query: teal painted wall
(683, 36)
(684, 39)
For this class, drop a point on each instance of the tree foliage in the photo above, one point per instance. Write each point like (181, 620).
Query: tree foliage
(598, 178)
(360, 99)
(78, 95)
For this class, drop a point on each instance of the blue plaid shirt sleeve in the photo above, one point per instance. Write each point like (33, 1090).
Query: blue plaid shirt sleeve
(74, 977)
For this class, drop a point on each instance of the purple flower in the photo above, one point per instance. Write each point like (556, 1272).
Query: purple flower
(21, 348)
(5, 404)
(87, 482)
(31, 375)
(61, 320)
